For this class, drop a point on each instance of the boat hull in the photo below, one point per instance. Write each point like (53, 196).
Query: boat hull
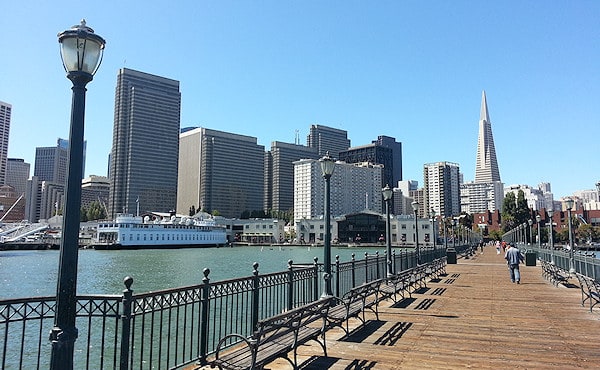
(118, 246)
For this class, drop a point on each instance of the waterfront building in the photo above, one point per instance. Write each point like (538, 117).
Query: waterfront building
(385, 151)
(5, 116)
(17, 174)
(220, 171)
(354, 188)
(486, 167)
(279, 174)
(441, 189)
(477, 197)
(327, 139)
(365, 227)
(145, 146)
(44, 199)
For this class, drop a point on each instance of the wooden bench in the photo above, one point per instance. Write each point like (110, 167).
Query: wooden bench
(354, 304)
(590, 290)
(275, 337)
(398, 284)
(555, 274)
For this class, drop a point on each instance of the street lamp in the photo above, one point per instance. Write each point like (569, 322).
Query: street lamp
(415, 206)
(387, 197)
(569, 203)
(538, 219)
(327, 167)
(530, 222)
(551, 236)
(432, 214)
(81, 52)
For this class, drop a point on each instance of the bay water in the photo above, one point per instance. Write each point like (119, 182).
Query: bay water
(34, 273)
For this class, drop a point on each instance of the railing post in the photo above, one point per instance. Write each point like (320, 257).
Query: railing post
(377, 264)
(366, 267)
(316, 279)
(255, 296)
(290, 292)
(394, 262)
(204, 310)
(126, 301)
(337, 276)
(353, 270)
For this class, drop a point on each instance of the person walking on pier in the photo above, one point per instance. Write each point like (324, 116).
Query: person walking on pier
(513, 257)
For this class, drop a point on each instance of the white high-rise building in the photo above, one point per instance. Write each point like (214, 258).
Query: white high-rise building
(480, 197)
(354, 188)
(441, 188)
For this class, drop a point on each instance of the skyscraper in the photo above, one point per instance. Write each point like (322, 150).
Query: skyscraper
(442, 189)
(51, 162)
(327, 139)
(220, 171)
(279, 174)
(486, 168)
(145, 148)
(5, 114)
(385, 150)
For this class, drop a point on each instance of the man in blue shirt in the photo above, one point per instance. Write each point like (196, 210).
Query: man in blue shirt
(513, 257)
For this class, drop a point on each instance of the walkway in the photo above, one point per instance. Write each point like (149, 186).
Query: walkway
(472, 318)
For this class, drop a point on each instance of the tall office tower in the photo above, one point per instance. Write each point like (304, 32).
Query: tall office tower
(442, 188)
(486, 168)
(5, 114)
(327, 139)
(279, 174)
(220, 171)
(17, 174)
(143, 160)
(51, 162)
(354, 188)
(385, 151)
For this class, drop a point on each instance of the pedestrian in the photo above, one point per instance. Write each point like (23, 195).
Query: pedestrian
(497, 246)
(513, 257)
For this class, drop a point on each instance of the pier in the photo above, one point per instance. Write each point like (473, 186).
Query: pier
(473, 317)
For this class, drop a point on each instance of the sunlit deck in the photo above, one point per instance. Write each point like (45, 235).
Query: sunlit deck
(473, 317)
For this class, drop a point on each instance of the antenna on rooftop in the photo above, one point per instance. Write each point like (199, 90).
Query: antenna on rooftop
(297, 138)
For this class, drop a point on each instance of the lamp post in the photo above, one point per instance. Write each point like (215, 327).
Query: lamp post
(415, 206)
(445, 237)
(454, 232)
(81, 52)
(387, 197)
(569, 203)
(432, 214)
(538, 219)
(551, 236)
(327, 167)
(530, 222)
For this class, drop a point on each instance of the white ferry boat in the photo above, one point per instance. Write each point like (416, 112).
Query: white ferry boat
(135, 232)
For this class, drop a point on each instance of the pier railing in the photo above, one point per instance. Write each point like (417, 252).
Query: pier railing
(583, 262)
(169, 329)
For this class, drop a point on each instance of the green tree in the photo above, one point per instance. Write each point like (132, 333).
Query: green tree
(95, 211)
(83, 215)
(509, 210)
(522, 210)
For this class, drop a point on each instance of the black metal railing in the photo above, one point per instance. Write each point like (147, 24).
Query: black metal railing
(172, 328)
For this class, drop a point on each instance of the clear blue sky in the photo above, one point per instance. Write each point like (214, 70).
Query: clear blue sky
(413, 70)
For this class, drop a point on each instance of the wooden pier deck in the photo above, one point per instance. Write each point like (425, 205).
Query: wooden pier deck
(473, 317)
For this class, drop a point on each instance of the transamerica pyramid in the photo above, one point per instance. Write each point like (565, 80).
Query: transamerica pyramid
(486, 169)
